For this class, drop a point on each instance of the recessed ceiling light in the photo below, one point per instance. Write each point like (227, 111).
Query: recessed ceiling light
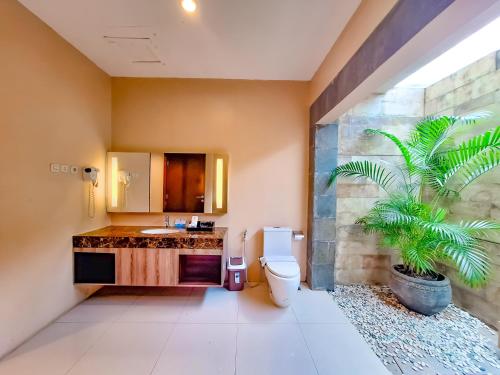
(189, 5)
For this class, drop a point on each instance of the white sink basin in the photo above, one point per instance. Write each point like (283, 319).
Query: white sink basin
(159, 231)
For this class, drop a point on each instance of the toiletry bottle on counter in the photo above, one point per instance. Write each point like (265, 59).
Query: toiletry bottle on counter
(194, 222)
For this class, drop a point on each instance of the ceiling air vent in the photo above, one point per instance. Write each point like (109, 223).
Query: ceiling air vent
(135, 49)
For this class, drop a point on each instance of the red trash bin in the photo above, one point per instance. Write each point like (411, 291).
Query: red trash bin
(237, 273)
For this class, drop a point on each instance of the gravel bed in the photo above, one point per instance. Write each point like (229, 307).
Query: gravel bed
(451, 342)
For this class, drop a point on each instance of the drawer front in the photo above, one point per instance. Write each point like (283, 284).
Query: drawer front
(147, 267)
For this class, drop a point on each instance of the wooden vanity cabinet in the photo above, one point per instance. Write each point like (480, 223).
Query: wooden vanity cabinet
(156, 267)
(186, 259)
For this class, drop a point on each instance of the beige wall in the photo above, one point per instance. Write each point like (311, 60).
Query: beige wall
(368, 15)
(262, 125)
(54, 107)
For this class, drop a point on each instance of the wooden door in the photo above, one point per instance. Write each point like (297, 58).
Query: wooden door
(184, 183)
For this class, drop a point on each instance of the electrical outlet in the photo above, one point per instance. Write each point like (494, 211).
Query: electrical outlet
(64, 168)
(55, 167)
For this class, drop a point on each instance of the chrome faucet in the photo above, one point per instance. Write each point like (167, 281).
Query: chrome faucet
(167, 221)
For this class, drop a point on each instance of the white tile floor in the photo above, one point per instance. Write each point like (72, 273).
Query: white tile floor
(196, 331)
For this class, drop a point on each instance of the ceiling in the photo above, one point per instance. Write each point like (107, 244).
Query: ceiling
(236, 39)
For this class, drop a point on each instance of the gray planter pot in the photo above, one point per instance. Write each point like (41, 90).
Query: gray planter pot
(423, 296)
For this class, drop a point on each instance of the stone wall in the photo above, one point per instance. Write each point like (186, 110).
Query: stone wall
(472, 89)
(321, 207)
(358, 258)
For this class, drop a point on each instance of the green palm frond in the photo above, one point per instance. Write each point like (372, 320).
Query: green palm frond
(453, 160)
(474, 169)
(427, 134)
(422, 262)
(449, 232)
(435, 180)
(402, 147)
(479, 227)
(359, 169)
(396, 218)
(394, 212)
(433, 133)
(438, 215)
(473, 118)
(471, 260)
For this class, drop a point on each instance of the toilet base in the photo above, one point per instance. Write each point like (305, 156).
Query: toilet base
(282, 291)
(280, 303)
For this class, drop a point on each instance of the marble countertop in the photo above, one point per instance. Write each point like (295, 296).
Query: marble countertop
(132, 237)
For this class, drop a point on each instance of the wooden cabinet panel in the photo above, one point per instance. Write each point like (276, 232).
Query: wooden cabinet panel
(147, 267)
(124, 266)
(160, 267)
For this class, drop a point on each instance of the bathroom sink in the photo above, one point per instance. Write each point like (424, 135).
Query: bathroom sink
(159, 231)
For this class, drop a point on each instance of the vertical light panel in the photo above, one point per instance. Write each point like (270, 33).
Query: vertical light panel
(114, 181)
(219, 183)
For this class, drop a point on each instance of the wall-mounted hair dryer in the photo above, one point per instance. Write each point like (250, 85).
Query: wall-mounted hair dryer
(91, 174)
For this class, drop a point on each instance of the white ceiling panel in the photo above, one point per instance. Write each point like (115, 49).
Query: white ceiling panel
(238, 39)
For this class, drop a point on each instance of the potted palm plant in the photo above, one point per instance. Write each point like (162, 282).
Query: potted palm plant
(418, 228)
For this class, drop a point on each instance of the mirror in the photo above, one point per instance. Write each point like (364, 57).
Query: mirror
(127, 181)
(167, 182)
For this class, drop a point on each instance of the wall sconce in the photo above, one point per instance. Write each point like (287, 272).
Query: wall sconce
(217, 169)
(114, 181)
(219, 183)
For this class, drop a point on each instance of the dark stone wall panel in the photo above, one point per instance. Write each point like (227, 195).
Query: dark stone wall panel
(402, 23)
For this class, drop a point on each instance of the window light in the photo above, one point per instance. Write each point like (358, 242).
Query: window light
(469, 50)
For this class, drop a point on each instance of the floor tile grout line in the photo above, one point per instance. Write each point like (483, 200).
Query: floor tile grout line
(184, 307)
(92, 345)
(294, 314)
(164, 347)
(308, 349)
(110, 323)
(237, 332)
(236, 350)
(237, 309)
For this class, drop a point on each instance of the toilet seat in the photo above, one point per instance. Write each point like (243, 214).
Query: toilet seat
(280, 266)
(287, 269)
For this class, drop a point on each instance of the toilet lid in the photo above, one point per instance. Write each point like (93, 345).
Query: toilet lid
(284, 269)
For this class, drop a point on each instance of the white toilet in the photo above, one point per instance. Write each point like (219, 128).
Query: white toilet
(281, 267)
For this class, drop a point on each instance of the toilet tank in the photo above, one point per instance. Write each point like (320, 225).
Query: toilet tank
(277, 241)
